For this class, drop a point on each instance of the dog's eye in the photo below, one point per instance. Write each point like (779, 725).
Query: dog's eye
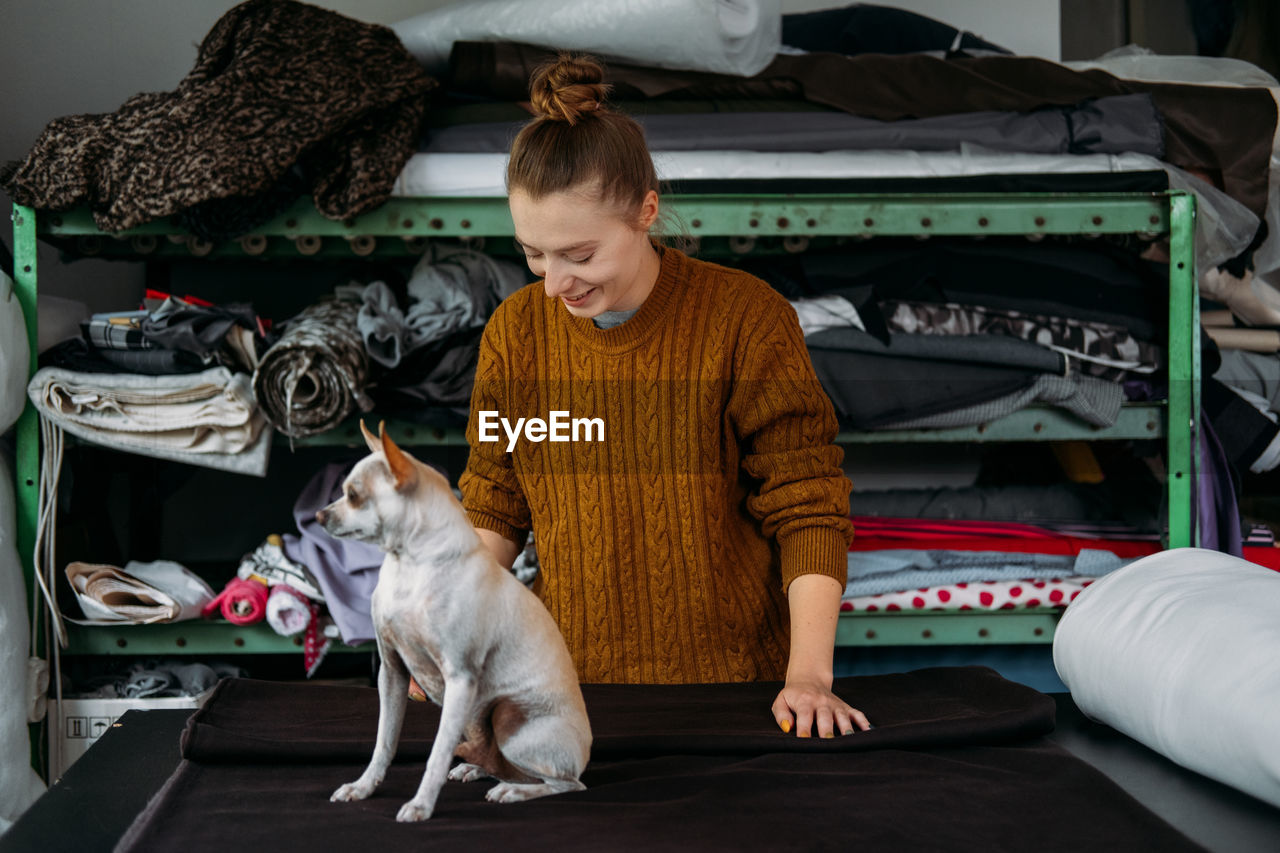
(352, 497)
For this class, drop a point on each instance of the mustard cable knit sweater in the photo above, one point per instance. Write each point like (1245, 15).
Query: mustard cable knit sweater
(667, 544)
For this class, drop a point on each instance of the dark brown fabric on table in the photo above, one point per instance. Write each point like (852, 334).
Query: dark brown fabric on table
(276, 83)
(957, 762)
(1218, 129)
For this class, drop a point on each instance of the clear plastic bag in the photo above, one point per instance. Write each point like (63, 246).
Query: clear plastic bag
(724, 36)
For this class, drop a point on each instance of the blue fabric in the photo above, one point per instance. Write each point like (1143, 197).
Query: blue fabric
(877, 572)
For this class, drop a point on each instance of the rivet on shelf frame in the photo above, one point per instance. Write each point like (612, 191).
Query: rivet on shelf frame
(143, 244)
(795, 243)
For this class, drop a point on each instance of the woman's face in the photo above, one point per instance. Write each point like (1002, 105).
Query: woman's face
(589, 257)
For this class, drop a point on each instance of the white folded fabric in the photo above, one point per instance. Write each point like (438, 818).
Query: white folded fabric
(1178, 651)
(725, 36)
(138, 594)
(208, 418)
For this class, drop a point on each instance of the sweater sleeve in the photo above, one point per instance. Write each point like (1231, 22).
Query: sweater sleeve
(491, 492)
(786, 426)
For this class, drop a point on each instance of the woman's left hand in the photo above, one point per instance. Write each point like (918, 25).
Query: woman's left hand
(803, 706)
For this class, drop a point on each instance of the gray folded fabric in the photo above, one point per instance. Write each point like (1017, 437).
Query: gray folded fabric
(1258, 373)
(1093, 400)
(156, 679)
(450, 289)
(1000, 350)
(1109, 125)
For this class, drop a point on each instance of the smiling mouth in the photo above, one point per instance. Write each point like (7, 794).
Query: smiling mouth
(579, 299)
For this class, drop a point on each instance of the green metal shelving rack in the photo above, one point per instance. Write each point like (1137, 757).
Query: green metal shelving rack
(400, 226)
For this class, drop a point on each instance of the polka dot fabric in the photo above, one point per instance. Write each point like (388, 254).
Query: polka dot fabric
(982, 595)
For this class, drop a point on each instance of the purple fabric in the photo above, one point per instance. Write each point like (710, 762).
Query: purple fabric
(1218, 513)
(347, 571)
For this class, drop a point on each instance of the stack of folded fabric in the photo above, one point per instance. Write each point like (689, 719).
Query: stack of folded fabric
(172, 334)
(208, 419)
(911, 564)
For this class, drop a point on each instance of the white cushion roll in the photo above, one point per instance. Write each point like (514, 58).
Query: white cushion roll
(1181, 651)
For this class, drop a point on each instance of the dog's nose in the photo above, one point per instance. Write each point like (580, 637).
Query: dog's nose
(322, 516)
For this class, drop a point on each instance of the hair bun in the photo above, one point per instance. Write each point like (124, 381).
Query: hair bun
(568, 88)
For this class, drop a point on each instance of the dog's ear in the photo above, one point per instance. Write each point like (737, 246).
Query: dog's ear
(400, 464)
(375, 445)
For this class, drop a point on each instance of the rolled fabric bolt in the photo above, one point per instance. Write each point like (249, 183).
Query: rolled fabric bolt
(311, 379)
(288, 610)
(242, 602)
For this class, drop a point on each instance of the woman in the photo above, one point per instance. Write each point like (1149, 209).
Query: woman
(697, 528)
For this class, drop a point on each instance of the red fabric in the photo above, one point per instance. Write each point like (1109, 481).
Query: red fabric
(873, 533)
(242, 602)
(1061, 545)
(1263, 555)
(920, 528)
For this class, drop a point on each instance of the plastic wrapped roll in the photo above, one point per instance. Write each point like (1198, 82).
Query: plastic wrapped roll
(1177, 650)
(725, 36)
(313, 378)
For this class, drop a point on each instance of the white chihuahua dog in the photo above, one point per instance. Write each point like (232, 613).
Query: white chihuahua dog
(477, 641)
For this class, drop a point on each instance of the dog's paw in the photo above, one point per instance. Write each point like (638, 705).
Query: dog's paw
(509, 792)
(350, 792)
(467, 773)
(413, 811)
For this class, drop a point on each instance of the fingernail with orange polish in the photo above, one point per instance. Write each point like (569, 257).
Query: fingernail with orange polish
(786, 726)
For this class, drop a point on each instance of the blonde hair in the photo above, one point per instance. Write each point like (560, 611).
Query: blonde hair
(575, 141)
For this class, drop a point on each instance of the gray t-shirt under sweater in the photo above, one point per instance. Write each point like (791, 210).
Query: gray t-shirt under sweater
(609, 319)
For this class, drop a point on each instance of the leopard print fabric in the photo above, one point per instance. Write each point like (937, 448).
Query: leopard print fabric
(276, 83)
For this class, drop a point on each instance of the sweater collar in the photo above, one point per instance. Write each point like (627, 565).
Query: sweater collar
(650, 315)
